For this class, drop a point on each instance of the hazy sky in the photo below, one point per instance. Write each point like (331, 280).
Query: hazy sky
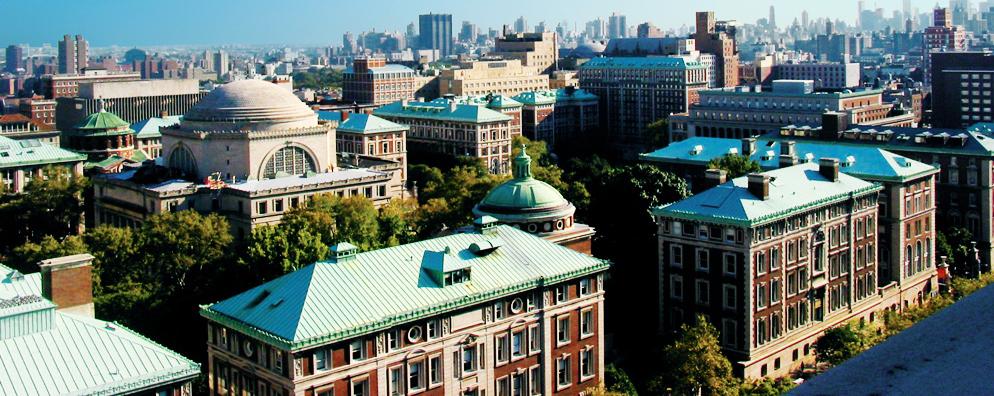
(322, 22)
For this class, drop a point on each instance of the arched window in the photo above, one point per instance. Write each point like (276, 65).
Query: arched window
(918, 256)
(182, 160)
(290, 160)
(907, 260)
(928, 252)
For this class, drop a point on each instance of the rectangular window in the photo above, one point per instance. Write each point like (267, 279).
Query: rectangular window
(587, 363)
(562, 293)
(321, 360)
(761, 263)
(278, 205)
(393, 339)
(517, 385)
(360, 387)
(499, 310)
(433, 329)
(775, 291)
(728, 332)
(676, 256)
(518, 344)
(730, 263)
(435, 369)
(774, 258)
(761, 296)
(396, 381)
(504, 386)
(587, 323)
(357, 351)
(501, 348)
(535, 381)
(729, 296)
(416, 375)
(703, 292)
(469, 361)
(263, 208)
(676, 287)
(534, 339)
(562, 330)
(703, 256)
(584, 286)
(563, 378)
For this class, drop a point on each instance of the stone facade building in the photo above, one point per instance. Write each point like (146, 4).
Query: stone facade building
(538, 50)
(558, 115)
(465, 314)
(505, 77)
(133, 101)
(448, 127)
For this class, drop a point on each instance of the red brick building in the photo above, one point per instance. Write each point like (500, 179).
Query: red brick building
(372, 80)
(463, 314)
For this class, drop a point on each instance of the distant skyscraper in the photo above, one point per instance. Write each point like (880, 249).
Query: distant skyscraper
(648, 30)
(468, 32)
(906, 9)
(222, 64)
(412, 34)
(617, 27)
(349, 45)
(521, 25)
(15, 58)
(435, 33)
(73, 54)
(804, 19)
(540, 28)
(773, 18)
(596, 29)
(960, 10)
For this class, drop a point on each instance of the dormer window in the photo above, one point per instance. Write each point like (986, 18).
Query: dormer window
(457, 276)
(446, 268)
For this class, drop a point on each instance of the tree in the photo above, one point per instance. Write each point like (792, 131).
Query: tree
(841, 343)
(954, 243)
(115, 252)
(735, 165)
(617, 381)
(658, 132)
(25, 258)
(766, 387)
(51, 204)
(183, 249)
(695, 362)
(398, 222)
(274, 250)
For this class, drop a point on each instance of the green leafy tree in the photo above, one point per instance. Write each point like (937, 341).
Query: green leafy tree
(274, 250)
(766, 387)
(841, 343)
(695, 363)
(399, 222)
(116, 254)
(25, 258)
(617, 381)
(954, 243)
(736, 165)
(184, 247)
(51, 204)
(658, 132)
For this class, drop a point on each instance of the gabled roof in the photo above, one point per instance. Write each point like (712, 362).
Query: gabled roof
(101, 121)
(328, 301)
(367, 123)
(441, 111)
(54, 353)
(868, 162)
(16, 153)
(791, 190)
(150, 128)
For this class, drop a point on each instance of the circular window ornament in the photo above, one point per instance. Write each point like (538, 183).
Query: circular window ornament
(559, 225)
(532, 227)
(414, 334)
(248, 348)
(547, 227)
(517, 305)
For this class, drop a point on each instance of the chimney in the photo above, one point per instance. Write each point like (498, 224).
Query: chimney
(829, 168)
(788, 153)
(748, 146)
(714, 177)
(453, 105)
(345, 115)
(68, 283)
(163, 114)
(759, 185)
(834, 123)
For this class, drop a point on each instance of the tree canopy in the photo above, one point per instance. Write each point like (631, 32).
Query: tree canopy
(695, 362)
(50, 205)
(735, 165)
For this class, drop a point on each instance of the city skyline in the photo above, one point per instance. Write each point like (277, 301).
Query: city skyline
(227, 22)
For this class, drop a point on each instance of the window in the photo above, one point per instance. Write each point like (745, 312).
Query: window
(676, 255)
(518, 344)
(730, 297)
(435, 370)
(702, 259)
(584, 286)
(534, 339)
(504, 386)
(433, 329)
(263, 207)
(357, 351)
(469, 361)
(396, 381)
(728, 332)
(535, 381)
(761, 263)
(587, 363)
(501, 348)
(563, 372)
(562, 293)
(393, 339)
(278, 205)
(676, 287)
(761, 296)
(703, 292)
(730, 263)
(562, 330)
(586, 323)
(416, 375)
(289, 160)
(775, 258)
(360, 387)
(499, 310)
(321, 360)
(517, 385)
(775, 291)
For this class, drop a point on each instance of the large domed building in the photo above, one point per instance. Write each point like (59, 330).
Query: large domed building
(251, 150)
(536, 207)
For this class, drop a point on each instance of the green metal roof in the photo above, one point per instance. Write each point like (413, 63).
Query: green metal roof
(491, 101)
(441, 111)
(331, 301)
(366, 123)
(103, 122)
(550, 96)
(792, 190)
(150, 128)
(55, 353)
(863, 161)
(523, 192)
(32, 152)
(651, 62)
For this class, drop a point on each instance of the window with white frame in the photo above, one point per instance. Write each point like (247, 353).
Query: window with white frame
(359, 387)
(396, 378)
(435, 370)
(703, 292)
(703, 259)
(587, 322)
(535, 381)
(504, 386)
(393, 339)
(469, 359)
(357, 351)
(729, 296)
(518, 344)
(416, 375)
(534, 339)
(585, 286)
(587, 363)
(761, 295)
(562, 293)
(518, 384)
(676, 256)
(676, 287)
(562, 329)
(434, 329)
(563, 375)
(730, 263)
(499, 310)
(322, 359)
(502, 348)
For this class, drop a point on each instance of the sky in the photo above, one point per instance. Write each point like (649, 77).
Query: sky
(322, 22)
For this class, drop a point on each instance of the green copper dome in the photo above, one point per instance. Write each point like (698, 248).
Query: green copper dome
(522, 193)
(103, 123)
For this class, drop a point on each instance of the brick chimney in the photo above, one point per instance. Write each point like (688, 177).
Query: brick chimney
(345, 116)
(759, 185)
(748, 146)
(68, 283)
(834, 123)
(714, 177)
(163, 114)
(788, 153)
(829, 168)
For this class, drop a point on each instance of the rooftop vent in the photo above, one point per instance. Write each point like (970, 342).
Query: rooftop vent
(485, 224)
(343, 251)
(486, 247)
(697, 150)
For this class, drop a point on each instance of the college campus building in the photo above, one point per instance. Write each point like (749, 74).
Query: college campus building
(942, 36)
(772, 259)
(132, 101)
(635, 92)
(961, 88)
(506, 77)
(60, 349)
(742, 112)
(559, 114)
(22, 160)
(538, 50)
(55, 86)
(449, 127)
(472, 313)
(367, 135)
(373, 81)
(534, 206)
(249, 150)
(826, 75)
(18, 126)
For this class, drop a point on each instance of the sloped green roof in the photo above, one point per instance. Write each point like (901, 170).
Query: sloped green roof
(17, 153)
(75, 355)
(651, 62)
(102, 121)
(792, 189)
(863, 161)
(366, 123)
(150, 128)
(441, 111)
(328, 301)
